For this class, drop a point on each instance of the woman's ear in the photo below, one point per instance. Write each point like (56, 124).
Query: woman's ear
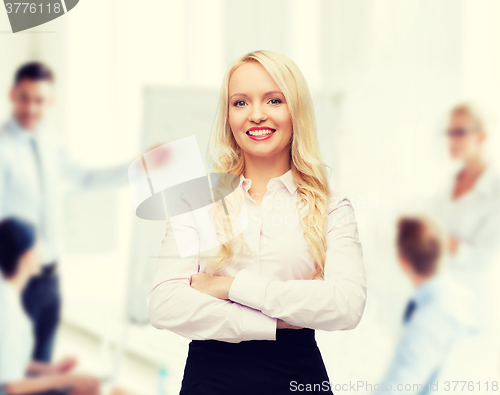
(483, 136)
(31, 261)
(23, 265)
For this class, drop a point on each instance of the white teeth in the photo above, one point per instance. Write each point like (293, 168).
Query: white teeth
(257, 133)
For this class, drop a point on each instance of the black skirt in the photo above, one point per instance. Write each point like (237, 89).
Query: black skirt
(288, 365)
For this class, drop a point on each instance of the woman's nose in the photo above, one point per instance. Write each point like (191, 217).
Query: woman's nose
(257, 115)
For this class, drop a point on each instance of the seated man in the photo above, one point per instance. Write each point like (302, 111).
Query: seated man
(437, 315)
(19, 261)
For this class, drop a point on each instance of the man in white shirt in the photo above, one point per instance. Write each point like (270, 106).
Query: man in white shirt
(32, 161)
(438, 315)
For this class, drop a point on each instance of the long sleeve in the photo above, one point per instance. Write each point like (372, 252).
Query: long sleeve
(481, 249)
(83, 177)
(9, 371)
(335, 303)
(176, 306)
(473, 220)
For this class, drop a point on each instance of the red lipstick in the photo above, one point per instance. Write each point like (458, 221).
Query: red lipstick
(263, 137)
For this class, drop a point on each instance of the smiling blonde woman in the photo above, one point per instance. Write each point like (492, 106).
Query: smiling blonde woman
(251, 308)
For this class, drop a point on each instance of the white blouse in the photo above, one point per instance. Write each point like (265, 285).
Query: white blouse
(16, 335)
(271, 282)
(474, 220)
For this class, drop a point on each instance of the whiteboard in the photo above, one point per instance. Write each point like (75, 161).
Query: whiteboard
(168, 114)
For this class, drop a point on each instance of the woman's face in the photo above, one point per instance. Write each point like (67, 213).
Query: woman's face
(464, 139)
(256, 102)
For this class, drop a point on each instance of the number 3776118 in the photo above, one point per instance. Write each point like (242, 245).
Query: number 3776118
(33, 8)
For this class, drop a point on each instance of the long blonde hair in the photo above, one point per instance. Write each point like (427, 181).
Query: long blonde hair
(308, 168)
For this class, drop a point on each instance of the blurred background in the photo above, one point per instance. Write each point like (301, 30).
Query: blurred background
(383, 75)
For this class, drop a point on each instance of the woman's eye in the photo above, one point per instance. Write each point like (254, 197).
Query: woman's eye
(241, 103)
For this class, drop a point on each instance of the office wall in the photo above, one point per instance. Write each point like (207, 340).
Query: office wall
(391, 68)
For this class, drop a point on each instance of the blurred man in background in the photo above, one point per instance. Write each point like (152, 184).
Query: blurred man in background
(435, 319)
(32, 163)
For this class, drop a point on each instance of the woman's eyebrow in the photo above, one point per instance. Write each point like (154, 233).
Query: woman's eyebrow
(265, 94)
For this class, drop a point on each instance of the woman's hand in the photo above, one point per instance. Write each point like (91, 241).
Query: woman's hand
(217, 286)
(79, 384)
(45, 369)
(65, 365)
(280, 324)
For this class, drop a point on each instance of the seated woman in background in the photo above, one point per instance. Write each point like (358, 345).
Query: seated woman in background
(19, 261)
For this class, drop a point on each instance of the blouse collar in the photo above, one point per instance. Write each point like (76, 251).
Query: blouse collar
(285, 181)
(488, 184)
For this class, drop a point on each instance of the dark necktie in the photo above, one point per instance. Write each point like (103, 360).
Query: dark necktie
(410, 308)
(38, 161)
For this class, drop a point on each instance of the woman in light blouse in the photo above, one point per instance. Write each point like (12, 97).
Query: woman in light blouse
(469, 208)
(289, 259)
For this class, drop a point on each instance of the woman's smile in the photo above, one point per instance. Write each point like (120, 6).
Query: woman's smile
(260, 133)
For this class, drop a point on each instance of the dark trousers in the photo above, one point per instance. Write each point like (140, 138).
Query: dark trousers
(290, 364)
(42, 302)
